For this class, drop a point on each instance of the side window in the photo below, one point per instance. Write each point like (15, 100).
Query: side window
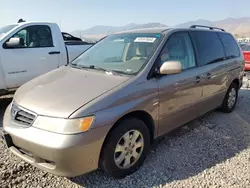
(39, 36)
(179, 47)
(209, 47)
(230, 45)
(34, 37)
(22, 35)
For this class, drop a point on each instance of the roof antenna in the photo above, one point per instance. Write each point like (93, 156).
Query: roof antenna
(21, 20)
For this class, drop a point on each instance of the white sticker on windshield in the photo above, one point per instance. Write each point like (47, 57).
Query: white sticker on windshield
(145, 39)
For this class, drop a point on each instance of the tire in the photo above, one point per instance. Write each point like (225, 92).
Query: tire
(128, 128)
(226, 106)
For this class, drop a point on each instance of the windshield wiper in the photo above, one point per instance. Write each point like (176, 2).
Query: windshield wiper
(75, 66)
(108, 70)
(91, 67)
(122, 72)
(99, 68)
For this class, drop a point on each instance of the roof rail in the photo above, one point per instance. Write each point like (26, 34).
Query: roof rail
(209, 27)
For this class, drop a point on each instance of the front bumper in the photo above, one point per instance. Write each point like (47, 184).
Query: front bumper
(64, 155)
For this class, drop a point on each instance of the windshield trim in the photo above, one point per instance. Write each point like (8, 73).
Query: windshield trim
(71, 64)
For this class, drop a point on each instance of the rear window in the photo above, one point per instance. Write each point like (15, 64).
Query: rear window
(246, 48)
(230, 45)
(209, 47)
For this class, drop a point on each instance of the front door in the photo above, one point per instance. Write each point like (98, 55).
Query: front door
(180, 93)
(32, 58)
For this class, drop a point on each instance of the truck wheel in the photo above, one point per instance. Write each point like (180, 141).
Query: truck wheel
(126, 148)
(230, 99)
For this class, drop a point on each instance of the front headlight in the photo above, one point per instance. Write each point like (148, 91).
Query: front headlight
(64, 126)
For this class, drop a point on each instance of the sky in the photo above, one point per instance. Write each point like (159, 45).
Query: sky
(72, 15)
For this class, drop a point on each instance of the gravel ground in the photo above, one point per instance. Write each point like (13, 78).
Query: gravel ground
(212, 151)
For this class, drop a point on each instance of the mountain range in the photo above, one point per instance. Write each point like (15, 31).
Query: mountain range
(236, 26)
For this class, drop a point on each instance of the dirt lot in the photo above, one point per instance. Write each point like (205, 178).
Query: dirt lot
(212, 151)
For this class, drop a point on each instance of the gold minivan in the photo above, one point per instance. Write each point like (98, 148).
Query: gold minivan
(106, 108)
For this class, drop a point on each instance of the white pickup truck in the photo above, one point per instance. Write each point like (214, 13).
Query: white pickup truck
(30, 49)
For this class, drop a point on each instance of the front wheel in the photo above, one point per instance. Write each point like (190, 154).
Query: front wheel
(230, 99)
(125, 148)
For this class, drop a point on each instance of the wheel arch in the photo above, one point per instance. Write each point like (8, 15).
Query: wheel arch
(237, 82)
(139, 114)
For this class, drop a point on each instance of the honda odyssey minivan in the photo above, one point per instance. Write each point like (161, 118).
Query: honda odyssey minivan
(106, 108)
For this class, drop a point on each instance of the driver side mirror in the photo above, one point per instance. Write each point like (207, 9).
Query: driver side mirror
(13, 42)
(170, 67)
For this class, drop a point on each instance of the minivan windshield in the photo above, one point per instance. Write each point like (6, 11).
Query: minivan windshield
(6, 28)
(121, 53)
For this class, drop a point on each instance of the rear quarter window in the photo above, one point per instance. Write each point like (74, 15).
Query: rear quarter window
(208, 46)
(230, 45)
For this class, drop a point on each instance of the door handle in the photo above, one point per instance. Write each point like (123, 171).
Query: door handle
(197, 79)
(208, 76)
(54, 52)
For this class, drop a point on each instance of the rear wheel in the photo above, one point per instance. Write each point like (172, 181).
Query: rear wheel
(125, 148)
(230, 99)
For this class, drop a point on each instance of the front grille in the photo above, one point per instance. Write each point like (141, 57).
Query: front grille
(22, 116)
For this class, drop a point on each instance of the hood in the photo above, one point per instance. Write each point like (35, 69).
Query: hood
(59, 93)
